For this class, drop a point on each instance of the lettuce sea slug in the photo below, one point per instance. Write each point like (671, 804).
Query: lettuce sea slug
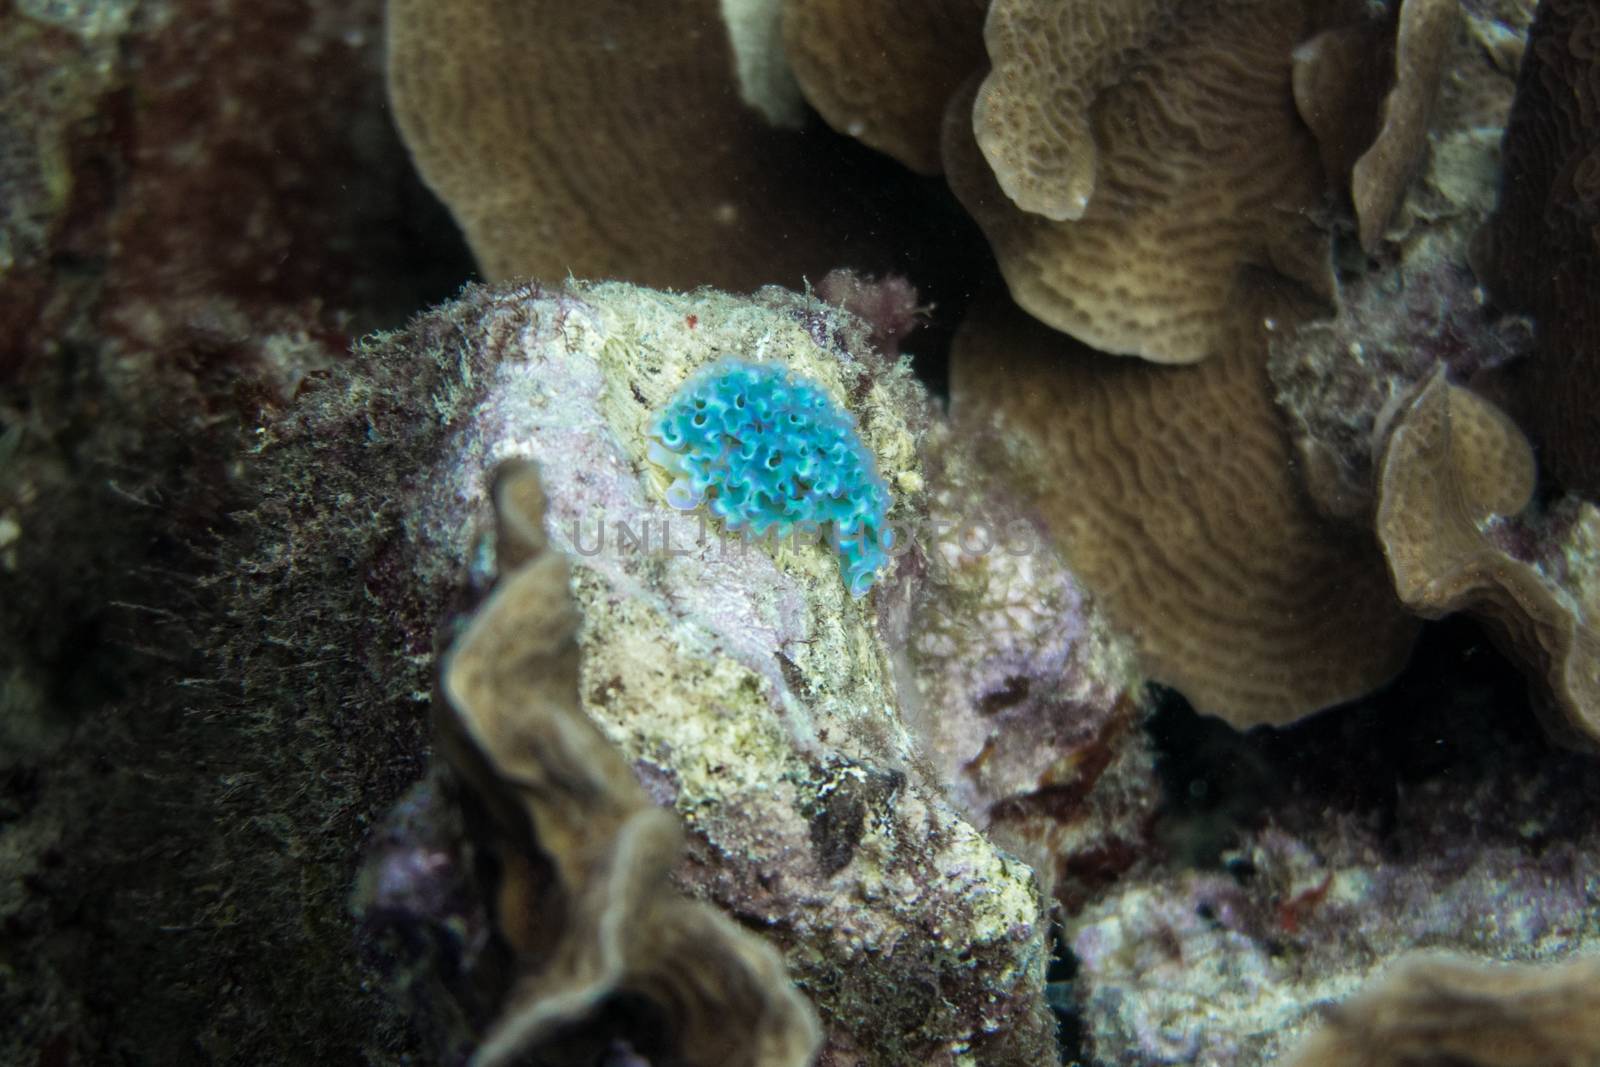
(768, 451)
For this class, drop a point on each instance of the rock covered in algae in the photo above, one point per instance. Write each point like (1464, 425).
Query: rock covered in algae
(745, 685)
(1481, 840)
(203, 202)
(1021, 686)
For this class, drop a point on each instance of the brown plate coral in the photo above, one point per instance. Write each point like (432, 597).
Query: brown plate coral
(1455, 474)
(1172, 492)
(1172, 160)
(1439, 1008)
(881, 71)
(666, 172)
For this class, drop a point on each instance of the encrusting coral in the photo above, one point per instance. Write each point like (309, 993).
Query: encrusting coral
(1437, 1008)
(584, 853)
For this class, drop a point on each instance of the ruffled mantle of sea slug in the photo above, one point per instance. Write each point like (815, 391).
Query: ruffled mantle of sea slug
(744, 683)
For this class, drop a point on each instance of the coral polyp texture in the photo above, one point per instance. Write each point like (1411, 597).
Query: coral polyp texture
(769, 452)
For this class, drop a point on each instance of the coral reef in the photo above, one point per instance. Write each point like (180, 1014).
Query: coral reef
(1240, 680)
(1341, 379)
(1392, 432)
(692, 797)
(1337, 409)
(743, 683)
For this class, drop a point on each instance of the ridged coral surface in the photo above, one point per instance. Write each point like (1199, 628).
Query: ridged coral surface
(768, 451)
